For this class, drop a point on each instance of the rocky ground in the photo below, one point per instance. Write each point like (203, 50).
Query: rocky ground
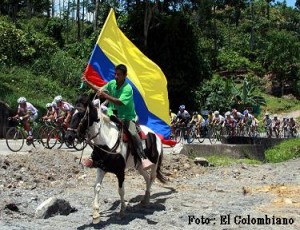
(239, 196)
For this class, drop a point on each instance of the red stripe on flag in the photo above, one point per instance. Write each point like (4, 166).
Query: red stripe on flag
(92, 76)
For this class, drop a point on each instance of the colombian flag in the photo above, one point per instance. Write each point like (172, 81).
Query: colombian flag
(146, 78)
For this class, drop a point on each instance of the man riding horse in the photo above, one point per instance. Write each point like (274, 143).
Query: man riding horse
(119, 93)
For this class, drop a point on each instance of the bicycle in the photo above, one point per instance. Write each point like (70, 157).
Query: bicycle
(217, 131)
(56, 137)
(193, 133)
(16, 136)
(181, 133)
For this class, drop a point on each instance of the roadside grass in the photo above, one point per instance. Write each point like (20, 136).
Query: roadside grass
(279, 105)
(284, 151)
(218, 160)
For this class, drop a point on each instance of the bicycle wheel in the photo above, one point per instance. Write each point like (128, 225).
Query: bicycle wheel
(191, 136)
(178, 135)
(202, 135)
(54, 139)
(14, 139)
(79, 144)
(43, 135)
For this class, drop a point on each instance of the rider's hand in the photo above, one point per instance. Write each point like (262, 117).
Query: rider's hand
(21, 118)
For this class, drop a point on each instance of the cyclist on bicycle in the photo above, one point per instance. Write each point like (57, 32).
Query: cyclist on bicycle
(230, 123)
(268, 124)
(293, 126)
(26, 113)
(51, 113)
(173, 117)
(183, 116)
(210, 118)
(276, 125)
(65, 109)
(247, 119)
(197, 120)
(237, 116)
(218, 119)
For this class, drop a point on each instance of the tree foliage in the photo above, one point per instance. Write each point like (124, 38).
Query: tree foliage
(196, 43)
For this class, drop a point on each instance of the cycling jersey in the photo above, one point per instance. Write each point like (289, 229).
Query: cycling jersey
(183, 116)
(196, 119)
(29, 109)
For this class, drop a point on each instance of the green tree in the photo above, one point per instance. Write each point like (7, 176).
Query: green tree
(282, 57)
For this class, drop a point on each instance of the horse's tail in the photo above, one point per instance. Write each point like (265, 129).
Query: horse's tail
(159, 174)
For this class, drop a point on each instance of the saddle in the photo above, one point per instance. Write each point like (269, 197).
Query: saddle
(125, 133)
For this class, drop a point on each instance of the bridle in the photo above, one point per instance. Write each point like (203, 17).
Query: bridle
(89, 139)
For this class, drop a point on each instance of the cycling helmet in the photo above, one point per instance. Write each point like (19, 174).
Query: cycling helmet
(182, 107)
(246, 112)
(48, 105)
(53, 104)
(267, 114)
(275, 115)
(234, 111)
(58, 98)
(216, 112)
(21, 100)
(195, 113)
(227, 113)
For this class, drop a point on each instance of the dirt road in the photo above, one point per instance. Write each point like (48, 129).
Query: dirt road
(233, 197)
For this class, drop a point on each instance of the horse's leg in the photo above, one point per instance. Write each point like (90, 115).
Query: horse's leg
(96, 208)
(149, 179)
(121, 177)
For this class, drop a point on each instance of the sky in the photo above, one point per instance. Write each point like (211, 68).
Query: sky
(289, 2)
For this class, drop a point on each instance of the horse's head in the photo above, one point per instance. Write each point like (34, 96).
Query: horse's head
(86, 114)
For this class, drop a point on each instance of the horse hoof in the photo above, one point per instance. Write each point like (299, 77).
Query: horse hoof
(121, 216)
(144, 202)
(96, 220)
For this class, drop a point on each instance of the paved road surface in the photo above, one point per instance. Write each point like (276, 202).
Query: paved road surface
(5, 151)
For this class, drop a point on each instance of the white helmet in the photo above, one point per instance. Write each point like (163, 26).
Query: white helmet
(216, 112)
(227, 113)
(48, 105)
(53, 104)
(58, 98)
(21, 100)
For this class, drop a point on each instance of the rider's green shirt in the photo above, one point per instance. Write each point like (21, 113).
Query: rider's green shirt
(125, 95)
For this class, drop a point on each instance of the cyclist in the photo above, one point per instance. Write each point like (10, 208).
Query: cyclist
(285, 125)
(26, 113)
(51, 113)
(268, 124)
(65, 111)
(218, 119)
(173, 117)
(230, 123)
(247, 120)
(210, 118)
(197, 120)
(182, 116)
(276, 125)
(237, 116)
(293, 126)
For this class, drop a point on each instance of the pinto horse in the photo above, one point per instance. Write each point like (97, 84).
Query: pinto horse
(111, 153)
